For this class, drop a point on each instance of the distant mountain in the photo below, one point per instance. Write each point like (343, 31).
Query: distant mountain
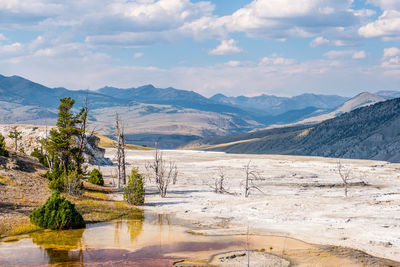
(370, 132)
(269, 105)
(184, 115)
(360, 100)
(19, 90)
(149, 94)
(388, 94)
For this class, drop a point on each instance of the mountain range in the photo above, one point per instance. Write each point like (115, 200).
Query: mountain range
(170, 117)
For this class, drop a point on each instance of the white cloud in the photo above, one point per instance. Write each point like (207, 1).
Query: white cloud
(145, 22)
(391, 58)
(333, 54)
(359, 55)
(233, 63)
(286, 18)
(385, 4)
(276, 60)
(319, 41)
(11, 49)
(391, 52)
(2, 37)
(39, 42)
(138, 55)
(364, 13)
(388, 24)
(225, 48)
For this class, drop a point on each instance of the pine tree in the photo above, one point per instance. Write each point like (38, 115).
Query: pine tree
(134, 190)
(63, 141)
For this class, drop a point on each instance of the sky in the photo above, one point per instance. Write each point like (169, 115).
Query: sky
(280, 47)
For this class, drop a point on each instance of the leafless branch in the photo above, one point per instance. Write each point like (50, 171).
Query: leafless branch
(252, 175)
(163, 173)
(344, 175)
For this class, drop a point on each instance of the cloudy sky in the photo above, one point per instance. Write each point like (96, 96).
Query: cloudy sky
(239, 47)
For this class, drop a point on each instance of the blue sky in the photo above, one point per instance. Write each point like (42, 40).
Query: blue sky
(281, 47)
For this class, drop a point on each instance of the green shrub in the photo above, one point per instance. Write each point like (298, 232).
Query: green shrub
(57, 214)
(134, 190)
(3, 150)
(57, 184)
(40, 156)
(96, 177)
(55, 172)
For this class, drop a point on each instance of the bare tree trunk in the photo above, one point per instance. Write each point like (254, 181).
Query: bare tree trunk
(123, 164)
(345, 175)
(251, 175)
(163, 175)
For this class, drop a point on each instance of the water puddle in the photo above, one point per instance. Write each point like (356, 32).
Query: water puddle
(160, 240)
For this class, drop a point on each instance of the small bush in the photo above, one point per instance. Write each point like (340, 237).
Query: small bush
(134, 190)
(57, 214)
(96, 177)
(57, 184)
(3, 150)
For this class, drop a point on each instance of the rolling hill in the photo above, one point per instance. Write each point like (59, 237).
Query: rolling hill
(370, 132)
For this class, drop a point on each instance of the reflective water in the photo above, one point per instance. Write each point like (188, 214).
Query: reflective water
(151, 240)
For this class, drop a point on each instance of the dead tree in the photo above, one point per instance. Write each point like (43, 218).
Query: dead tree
(252, 175)
(344, 175)
(118, 137)
(218, 185)
(174, 170)
(163, 173)
(123, 162)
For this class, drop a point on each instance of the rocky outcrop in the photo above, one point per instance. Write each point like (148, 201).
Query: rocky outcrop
(31, 134)
(94, 154)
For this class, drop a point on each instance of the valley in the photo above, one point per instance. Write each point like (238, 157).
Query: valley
(172, 117)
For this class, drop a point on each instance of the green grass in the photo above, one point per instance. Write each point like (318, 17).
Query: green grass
(23, 229)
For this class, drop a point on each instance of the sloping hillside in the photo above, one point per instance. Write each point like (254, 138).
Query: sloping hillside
(371, 132)
(361, 100)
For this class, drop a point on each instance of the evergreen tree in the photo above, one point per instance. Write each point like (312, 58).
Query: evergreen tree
(16, 135)
(134, 190)
(3, 150)
(65, 148)
(63, 142)
(96, 177)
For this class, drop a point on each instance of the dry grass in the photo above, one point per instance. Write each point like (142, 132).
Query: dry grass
(106, 142)
(7, 181)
